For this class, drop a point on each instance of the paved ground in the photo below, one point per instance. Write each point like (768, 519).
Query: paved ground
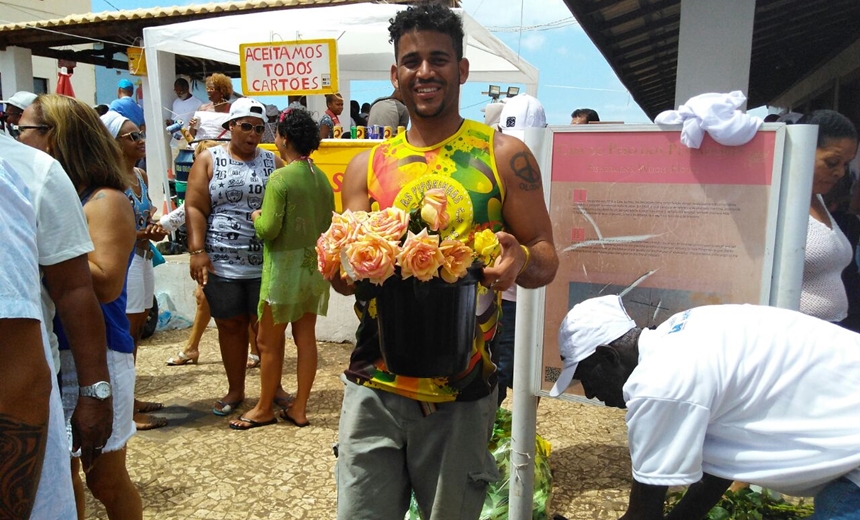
(198, 468)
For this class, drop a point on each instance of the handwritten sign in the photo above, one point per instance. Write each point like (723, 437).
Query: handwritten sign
(289, 68)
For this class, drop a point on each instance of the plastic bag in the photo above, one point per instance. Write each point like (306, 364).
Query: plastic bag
(496, 503)
(168, 318)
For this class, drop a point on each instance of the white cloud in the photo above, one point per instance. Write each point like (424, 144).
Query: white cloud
(533, 41)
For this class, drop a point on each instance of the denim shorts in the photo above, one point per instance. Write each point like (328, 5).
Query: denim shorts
(839, 500)
(229, 297)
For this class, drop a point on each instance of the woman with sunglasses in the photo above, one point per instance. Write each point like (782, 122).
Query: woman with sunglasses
(72, 133)
(297, 208)
(140, 282)
(209, 118)
(225, 186)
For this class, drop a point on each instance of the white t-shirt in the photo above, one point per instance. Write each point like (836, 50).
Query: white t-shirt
(61, 228)
(749, 393)
(209, 125)
(183, 109)
(19, 298)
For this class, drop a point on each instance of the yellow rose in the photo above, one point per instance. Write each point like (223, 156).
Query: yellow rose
(434, 210)
(487, 246)
(458, 258)
(420, 256)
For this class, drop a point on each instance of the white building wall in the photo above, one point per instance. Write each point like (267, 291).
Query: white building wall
(16, 11)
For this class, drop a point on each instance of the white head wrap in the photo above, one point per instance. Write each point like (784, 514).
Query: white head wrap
(113, 121)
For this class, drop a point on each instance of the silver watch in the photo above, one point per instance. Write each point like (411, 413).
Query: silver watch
(100, 390)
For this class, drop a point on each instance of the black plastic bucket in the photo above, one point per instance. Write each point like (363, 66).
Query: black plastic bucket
(427, 329)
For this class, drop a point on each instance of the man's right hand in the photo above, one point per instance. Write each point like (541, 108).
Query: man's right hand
(92, 424)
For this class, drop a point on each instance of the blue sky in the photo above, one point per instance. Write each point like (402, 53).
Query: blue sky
(573, 73)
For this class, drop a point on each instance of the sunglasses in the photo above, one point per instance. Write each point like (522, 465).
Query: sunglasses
(247, 127)
(134, 136)
(18, 128)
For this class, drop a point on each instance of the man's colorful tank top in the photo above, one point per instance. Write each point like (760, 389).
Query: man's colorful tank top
(398, 174)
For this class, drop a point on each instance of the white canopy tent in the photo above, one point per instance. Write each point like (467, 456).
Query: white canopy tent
(364, 53)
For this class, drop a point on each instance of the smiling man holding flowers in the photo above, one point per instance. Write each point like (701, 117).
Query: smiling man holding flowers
(434, 203)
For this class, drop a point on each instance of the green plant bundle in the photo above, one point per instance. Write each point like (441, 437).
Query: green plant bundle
(746, 504)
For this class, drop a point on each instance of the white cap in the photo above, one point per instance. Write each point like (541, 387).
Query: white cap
(492, 114)
(21, 99)
(245, 107)
(272, 111)
(521, 112)
(588, 325)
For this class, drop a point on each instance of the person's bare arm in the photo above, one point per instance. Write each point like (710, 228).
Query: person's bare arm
(70, 286)
(152, 231)
(111, 222)
(24, 406)
(197, 208)
(353, 197)
(526, 218)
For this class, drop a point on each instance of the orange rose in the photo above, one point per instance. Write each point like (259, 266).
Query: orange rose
(328, 257)
(435, 209)
(420, 256)
(457, 259)
(371, 258)
(389, 223)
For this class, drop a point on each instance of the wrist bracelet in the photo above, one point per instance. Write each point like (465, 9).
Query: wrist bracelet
(196, 252)
(528, 257)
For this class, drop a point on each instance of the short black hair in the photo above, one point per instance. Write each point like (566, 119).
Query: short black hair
(300, 129)
(831, 125)
(181, 82)
(427, 16)
(590, 115)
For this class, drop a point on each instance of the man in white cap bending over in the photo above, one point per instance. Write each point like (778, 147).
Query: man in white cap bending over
(721, 393)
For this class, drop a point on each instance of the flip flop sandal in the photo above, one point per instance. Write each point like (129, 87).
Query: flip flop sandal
(285, 416)
(182, 359)
(253, 361)
(153, 423)
(226, 407)
(148, 407)
(251, 424)
(284, 402)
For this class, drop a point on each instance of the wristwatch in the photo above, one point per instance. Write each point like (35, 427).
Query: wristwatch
(100, 390)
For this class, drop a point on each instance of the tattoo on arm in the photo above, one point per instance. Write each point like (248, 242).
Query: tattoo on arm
(524, 167)
(22, 450)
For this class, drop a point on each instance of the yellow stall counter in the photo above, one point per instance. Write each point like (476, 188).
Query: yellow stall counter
(332, 157)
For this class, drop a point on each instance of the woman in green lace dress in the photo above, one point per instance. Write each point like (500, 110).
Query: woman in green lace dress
(297, 208)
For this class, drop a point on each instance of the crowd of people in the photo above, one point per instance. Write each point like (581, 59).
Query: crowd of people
(76, 213)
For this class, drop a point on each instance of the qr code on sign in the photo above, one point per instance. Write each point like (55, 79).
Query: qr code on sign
(551, 374)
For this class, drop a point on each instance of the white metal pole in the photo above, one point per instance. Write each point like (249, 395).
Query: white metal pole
(524, 421)
(793, 215)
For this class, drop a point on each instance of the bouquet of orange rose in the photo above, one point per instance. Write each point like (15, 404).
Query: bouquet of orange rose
(371, 246)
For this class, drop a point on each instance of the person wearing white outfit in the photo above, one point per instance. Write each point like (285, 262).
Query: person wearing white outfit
(30, 407)
(828, 251)
(725, 392)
